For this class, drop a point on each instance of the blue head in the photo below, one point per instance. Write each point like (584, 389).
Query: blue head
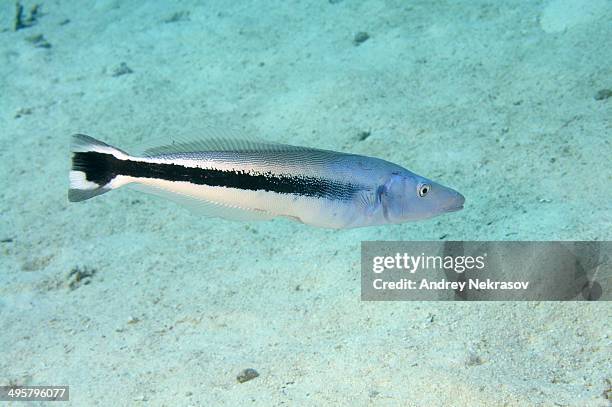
(406, 196)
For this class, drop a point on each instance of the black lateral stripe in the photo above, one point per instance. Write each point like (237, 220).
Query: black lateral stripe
(108, 167)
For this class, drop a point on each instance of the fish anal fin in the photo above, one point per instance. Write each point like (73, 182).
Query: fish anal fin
(206, 208)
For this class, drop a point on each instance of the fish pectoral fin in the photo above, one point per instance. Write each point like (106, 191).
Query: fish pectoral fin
(204, 207)
(370, 202)
(293, 218)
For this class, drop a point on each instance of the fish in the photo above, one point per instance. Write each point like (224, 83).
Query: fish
(244, 179)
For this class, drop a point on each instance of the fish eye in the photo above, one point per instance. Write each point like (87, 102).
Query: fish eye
(423, 189)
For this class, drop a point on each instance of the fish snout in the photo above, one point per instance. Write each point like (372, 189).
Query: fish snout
(455, 202)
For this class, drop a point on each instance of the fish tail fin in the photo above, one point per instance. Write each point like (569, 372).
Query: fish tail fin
(92, 167)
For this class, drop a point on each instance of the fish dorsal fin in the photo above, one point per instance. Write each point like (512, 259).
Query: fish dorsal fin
(214, 140)
(218, 145)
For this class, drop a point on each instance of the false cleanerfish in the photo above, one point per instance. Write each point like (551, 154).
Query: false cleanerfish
(255, 180)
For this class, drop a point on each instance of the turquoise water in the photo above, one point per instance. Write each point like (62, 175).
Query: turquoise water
(132, 300)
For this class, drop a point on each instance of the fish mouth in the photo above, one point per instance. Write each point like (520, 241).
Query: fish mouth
(455, 208)
(457, 204)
